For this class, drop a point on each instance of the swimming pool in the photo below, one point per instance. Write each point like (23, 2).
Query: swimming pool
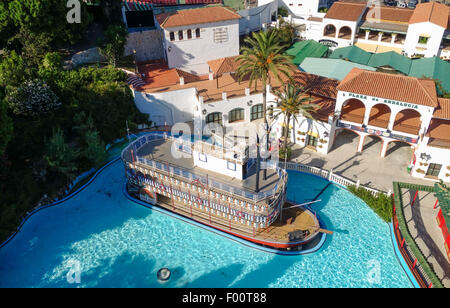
(113, 242)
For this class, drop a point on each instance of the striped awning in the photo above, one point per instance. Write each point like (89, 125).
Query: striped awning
(134, 5)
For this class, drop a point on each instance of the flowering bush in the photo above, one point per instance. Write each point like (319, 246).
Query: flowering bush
(33, 98)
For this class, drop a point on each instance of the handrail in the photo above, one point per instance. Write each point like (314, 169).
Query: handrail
(210, 181)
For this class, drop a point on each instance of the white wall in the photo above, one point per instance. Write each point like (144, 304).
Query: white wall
(437, 156)
(253, 19)
(217, 165)
(168, 107)
(193, 54)
(412, 38)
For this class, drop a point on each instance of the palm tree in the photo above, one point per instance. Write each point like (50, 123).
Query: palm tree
(261, 56)
(292, 101)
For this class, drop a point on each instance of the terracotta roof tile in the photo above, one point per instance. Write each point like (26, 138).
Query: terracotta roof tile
(196, 16)
(389, 14)
(436, 13)
(390, 86)
(439, 129)
(224, 65)
(443, 110)
(346, 11)
(317, 85)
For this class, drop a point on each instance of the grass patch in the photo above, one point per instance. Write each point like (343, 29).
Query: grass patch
(380, 203)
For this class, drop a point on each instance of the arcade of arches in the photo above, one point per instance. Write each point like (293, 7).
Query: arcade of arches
(406, 121)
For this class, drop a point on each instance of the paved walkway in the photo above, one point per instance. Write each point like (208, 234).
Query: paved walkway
(422, 225)
(368, 167)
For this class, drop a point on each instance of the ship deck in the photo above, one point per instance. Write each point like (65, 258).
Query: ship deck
(161, 150)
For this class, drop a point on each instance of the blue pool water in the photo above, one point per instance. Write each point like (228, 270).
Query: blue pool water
(117, 243)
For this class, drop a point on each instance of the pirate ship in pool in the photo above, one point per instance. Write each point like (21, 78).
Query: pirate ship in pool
(218, 186)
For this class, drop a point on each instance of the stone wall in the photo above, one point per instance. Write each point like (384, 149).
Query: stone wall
(148, 45)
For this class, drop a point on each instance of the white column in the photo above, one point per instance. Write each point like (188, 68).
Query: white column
(181, 81)
(361, 143)
(367, 114)
(211, 76)
(394, 35)
(367, 35)
(380, 35)
(392, 120)
(384, 147)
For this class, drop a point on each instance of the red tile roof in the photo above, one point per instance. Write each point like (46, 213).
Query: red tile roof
(317, 85)
(389, 14)
(196, 16)
(346, 11)
(443, 110)
(390, 86)
(224, 65)
(439, 129)
(434, 12)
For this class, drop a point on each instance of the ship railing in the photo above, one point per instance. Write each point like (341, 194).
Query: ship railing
(211, 182)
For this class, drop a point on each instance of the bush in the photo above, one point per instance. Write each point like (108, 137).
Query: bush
(282, 155)
(380, 204)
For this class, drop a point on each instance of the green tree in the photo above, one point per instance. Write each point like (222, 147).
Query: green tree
(60, 157)
(261, 57)
(13, 70)
(47, 17)
(292, 101)
(95, 151)
(6, 127)
(112, 46)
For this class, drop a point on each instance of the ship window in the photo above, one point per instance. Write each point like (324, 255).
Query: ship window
(231, 166)
(202, 157)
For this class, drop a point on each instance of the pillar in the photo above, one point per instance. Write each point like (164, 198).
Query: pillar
(380, 35)
(211, 76)
(367, 114)
(367, 35)
(361, 143)
(384, 147)
(392, 120)
(394, 35)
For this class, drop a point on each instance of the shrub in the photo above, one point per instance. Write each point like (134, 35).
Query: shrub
(380, 204)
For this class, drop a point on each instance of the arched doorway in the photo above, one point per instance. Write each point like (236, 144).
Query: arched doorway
(399, 148)
(345, 137)
(353, 111)
(345, 33)
(372, 145)
(329, 31)
(408, 121)
(379, 115)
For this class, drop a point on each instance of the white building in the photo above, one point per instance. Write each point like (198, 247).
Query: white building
(194, 37)
(414, 32)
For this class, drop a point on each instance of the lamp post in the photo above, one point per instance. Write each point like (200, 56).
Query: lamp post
(135, 62)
